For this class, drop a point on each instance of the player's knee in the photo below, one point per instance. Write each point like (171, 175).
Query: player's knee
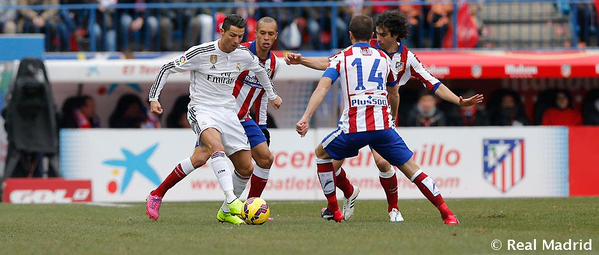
(383, 165)
(245, 169)
(265, 161)
(199, 159)
(321, 153)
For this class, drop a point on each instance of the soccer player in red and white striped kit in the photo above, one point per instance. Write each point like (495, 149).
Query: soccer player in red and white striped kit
(391, 28)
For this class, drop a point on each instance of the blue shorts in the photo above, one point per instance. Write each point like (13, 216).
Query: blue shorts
(255, 133)
(388, 143)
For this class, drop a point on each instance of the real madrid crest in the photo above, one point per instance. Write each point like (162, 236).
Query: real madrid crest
(213, 60)
(239, 67)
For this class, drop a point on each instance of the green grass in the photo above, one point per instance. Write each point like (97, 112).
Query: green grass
(191, 228)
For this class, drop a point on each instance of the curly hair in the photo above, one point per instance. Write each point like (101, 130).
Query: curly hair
(396, 22)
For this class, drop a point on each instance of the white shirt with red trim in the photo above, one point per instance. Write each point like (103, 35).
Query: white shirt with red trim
(363, 72)
(409, 66)
(248, 91)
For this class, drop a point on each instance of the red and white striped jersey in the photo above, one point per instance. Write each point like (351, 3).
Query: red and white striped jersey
(248, 91)
(364, 72)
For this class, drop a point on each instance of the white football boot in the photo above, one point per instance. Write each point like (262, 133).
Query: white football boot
(395, 216)
(350, 203)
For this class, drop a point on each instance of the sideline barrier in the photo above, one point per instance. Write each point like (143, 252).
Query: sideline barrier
(124, 165)
(584, 170)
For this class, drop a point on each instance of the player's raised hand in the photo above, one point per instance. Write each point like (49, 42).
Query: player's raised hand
(276, 103)
(302, 127)
(293, 58)
(156, 107)
(476, 99)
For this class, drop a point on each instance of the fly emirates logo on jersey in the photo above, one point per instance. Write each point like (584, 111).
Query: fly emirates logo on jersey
(223, 78)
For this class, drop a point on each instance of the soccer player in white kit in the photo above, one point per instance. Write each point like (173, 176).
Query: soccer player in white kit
(214, 67)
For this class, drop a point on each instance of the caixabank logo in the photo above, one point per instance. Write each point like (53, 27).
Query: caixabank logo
(124, 169)
(504, 162)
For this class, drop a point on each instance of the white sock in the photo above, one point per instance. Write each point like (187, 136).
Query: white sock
(223, 173)
(239, 183)
(261, 172)
(187, 166)
(387, 175)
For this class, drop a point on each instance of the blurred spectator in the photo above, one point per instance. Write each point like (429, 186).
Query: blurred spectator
(178, 116)
(79, 112)
(134, 20)
(8, 17)
(426, 114)
(510, 113)
(439, 17)
(45, 21)
(585, 16)
(562, 113)
(590, 108)
(201, 27)
(413, 13)
(355, 7)
(474, 115)
(376, 10)
(130, 112)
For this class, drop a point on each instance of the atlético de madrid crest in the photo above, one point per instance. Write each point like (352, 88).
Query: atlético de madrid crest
(504, 162)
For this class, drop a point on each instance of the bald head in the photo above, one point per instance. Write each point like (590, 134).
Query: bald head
(267, 21)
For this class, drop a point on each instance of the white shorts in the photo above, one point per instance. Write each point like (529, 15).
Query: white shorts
(222, 119)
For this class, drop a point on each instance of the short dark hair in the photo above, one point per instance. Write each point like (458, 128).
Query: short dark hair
(234, 20)
(395, 22)
(361, 27)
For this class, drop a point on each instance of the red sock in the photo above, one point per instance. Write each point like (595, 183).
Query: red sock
(257, 185)
(343, 183)
(390, 188)
(327, 181)
(429, 189)
(173, 178)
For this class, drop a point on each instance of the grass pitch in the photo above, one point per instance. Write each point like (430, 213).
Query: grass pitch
(191, 228)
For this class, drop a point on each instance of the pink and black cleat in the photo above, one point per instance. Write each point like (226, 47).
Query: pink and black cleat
(153, 207)
(337, 216)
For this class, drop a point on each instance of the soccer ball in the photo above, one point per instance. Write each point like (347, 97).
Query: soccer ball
(255, 211)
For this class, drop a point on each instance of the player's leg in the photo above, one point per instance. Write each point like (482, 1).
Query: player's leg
(338, 146)
(236, 146)
(212, 139)
(392, 148)
(388, 181)
(350, 192)
(264, 160)
(186, 166)
(429, 189)
(341, 179)
(259, 141)
(326, 175)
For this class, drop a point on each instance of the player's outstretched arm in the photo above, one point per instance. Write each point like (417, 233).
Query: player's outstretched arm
(437, 87)
(314, 63)
(446, 94)
(316, 99)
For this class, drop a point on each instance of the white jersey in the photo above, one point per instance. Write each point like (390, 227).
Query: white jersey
(248, 91)
(213, 74)
(364, 73)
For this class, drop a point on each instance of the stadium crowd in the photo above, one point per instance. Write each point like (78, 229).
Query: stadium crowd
(307, 28)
